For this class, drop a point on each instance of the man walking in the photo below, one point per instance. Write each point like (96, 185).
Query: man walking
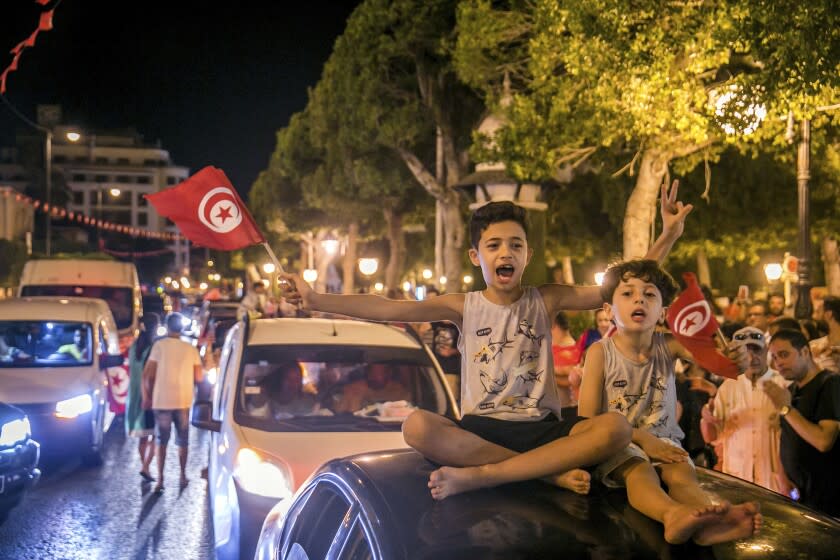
(172, 369)
(810, 421)
(742, 421)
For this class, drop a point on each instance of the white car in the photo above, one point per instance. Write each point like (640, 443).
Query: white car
(53, 355)
(295, 393)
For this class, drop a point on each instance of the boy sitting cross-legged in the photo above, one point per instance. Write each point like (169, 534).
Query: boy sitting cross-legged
(511, 429)
(632, 373)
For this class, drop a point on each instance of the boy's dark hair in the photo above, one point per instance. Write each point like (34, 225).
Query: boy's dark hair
(644, 269)
(785, 323)
(493, 213)
(561, 320)
(832, 303)
(794, 336)
(174, 323)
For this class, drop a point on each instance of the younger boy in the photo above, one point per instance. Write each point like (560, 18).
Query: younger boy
(512, 428)
(632, 373)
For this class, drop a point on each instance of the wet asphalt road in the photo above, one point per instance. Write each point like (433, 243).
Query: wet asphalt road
(78, 512)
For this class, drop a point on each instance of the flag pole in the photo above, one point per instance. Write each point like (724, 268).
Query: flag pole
(273, 257)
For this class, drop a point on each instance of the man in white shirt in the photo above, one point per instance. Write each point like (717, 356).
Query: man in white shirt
(171, 371)
(743, 422)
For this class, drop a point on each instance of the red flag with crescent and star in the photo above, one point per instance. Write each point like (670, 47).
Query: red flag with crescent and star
(208, 211)
(694, 325)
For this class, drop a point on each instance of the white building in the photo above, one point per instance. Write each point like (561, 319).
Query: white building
(108, 174)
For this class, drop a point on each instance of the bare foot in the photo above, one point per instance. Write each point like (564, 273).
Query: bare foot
(682, 522)
(576, 480)
(741, 521)
(448, 481)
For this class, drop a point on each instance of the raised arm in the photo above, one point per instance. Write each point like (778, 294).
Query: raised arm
(673, 214)
(592, 383)
(448, 307)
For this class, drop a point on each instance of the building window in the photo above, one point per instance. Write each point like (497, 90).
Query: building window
(60, 159)
(123, 161)
(142, 219)
(79, 177)
(101, 178)
(102, 160)
(78, 197)
(143, 180)
(172, 180)
(80, 159)
(141, 201)
(123, 179)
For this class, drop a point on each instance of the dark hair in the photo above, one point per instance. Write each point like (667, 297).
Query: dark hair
(795, 336)
(832, 303)
(815, 329)
(785, 323)
(174, 324)
(493, 213)
(561, 320)
(644, 269)
(147, 333)
(728, 328)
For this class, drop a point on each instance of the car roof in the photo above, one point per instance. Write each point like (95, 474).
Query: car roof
(535, 520)
(328, 331)
(55, 308)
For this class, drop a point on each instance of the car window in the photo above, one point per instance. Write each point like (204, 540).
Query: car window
(45, 343)
(291, 388)
(318, 521)
(119, 300)
(357, 547)
(234, 337)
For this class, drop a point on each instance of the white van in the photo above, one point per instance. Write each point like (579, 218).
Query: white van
(114, 281)
(53, 355)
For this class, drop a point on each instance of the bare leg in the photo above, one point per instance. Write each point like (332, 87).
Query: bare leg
(161, 460)
(146, 449)
(644, 492)
(740, 521)
(589, 442)
(182, 455)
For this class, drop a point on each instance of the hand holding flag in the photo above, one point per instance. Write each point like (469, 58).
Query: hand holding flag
(694, 326)
(208, 211)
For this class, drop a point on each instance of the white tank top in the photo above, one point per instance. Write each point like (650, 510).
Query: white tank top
(645, 393)
(508, 370)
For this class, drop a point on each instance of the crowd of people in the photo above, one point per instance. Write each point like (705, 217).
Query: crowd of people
(628, 406)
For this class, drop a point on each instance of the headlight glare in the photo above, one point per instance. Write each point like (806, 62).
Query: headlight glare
(259, 475)
(72, 408)
(14, 431)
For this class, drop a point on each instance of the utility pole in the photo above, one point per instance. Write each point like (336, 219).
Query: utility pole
(803, 174)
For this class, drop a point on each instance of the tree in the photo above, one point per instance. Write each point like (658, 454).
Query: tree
(671, 81)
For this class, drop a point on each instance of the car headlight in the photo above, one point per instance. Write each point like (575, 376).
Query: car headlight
(259, 475)
(14, 431)
(71, 408)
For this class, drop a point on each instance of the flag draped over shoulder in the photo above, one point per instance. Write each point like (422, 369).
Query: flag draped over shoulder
(208, 211)
(694, 326)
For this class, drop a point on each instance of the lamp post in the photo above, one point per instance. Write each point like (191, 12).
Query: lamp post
(803, 174)
(48, 182)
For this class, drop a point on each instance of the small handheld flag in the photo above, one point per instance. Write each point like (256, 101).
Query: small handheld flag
(694, 326)
(208, 211)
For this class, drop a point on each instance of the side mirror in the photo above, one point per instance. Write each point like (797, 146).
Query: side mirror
(202, 416)
(110, 360)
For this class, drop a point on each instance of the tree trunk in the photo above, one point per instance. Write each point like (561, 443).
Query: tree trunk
(396, 244)
(641, 206)
(831, 264)
(568, 272)
(349, 263)
(703, 274)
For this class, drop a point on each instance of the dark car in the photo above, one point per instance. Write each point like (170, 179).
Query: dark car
(377, 506)
(19, 456)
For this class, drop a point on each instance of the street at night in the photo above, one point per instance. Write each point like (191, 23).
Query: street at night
(77, 512)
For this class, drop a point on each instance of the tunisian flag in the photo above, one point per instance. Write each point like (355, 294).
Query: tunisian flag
(208, 211)
(694, 326)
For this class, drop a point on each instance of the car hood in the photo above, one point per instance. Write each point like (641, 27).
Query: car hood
(303, 452)
(41, 385)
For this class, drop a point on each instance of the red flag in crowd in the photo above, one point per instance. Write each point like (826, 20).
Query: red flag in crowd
(208, 211)
(694, 326)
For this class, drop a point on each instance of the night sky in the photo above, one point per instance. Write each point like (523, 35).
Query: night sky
(213, 81)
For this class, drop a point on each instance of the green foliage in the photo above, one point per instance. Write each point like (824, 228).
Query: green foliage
(12, 258)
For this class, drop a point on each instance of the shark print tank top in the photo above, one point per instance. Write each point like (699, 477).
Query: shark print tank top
(645, 393)
(507, 367)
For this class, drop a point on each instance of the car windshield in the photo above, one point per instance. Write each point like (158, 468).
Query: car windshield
(118, 299)
(324, 388)
(45, 343)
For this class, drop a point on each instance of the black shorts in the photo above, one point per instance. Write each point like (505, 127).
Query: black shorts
(519, 436)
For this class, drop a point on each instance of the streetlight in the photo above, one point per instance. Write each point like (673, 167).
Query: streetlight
(773, 271)
(271, 270)
(368, 267)
(310, 275)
